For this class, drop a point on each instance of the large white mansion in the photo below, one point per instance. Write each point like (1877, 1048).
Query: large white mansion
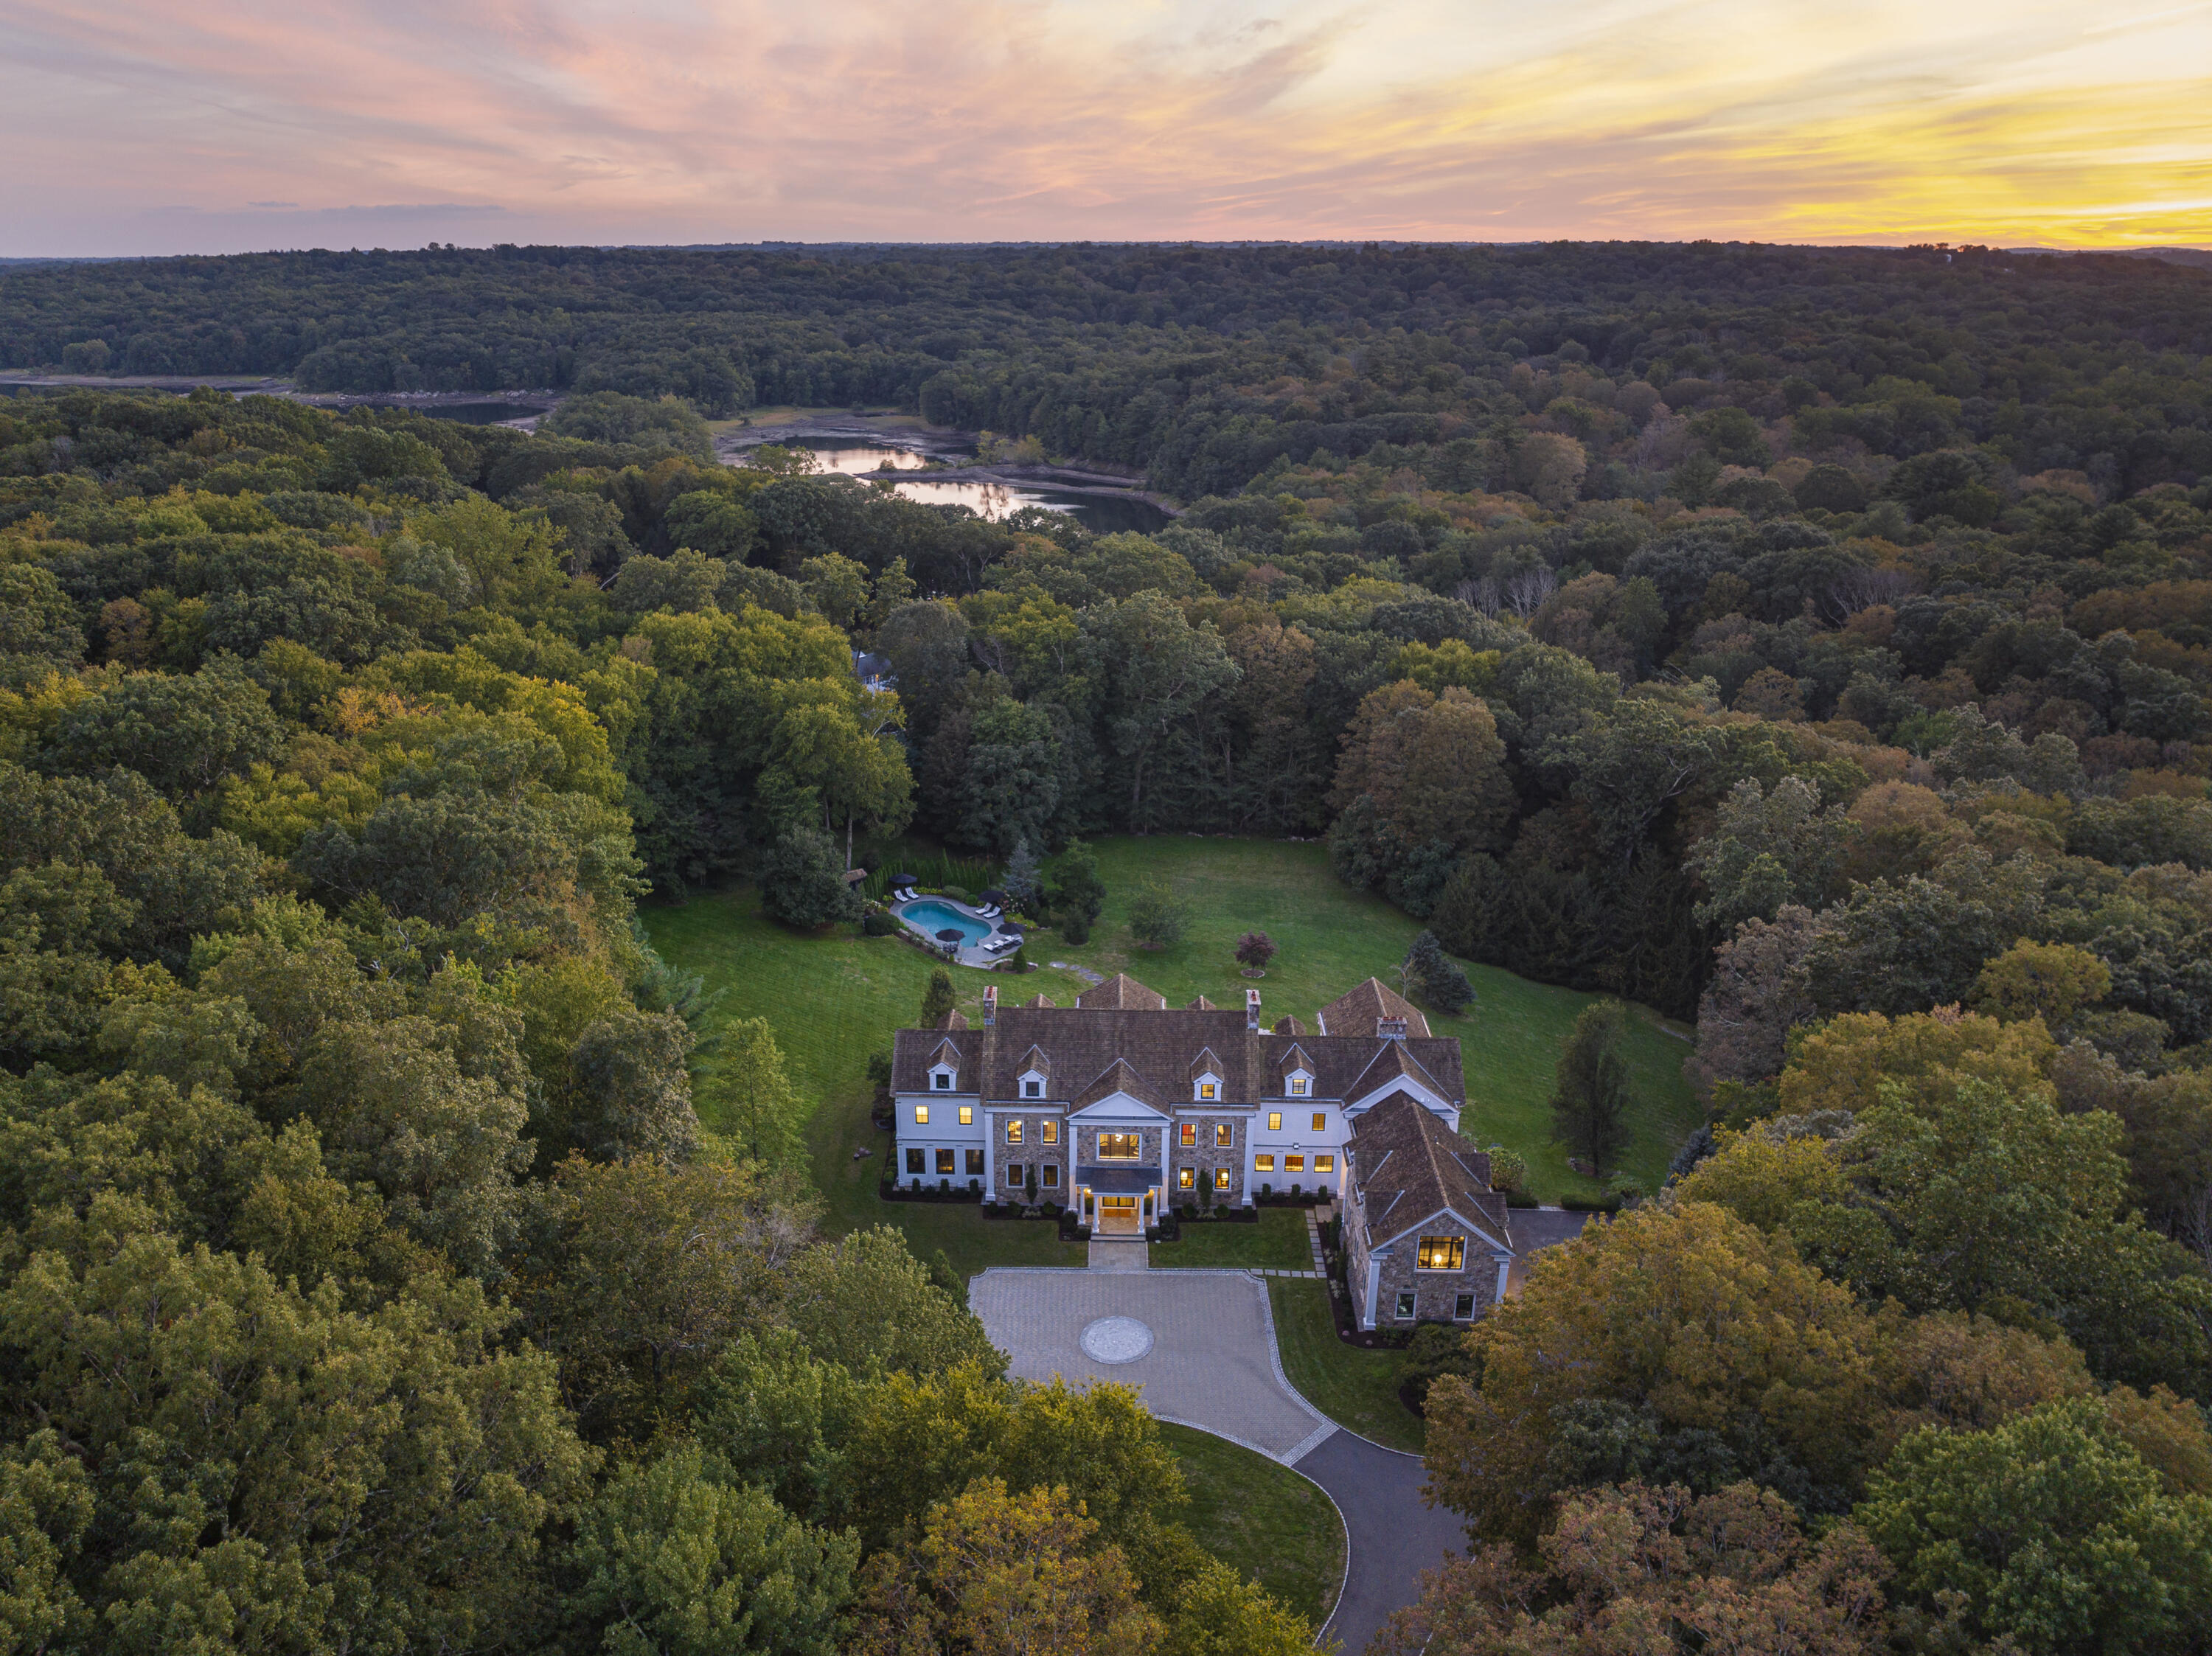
(1121, 1107)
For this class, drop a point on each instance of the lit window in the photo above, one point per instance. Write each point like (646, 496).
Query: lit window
(1223, 1135)
(1049, 1131)
(1186, 1179)
(1405, 1308)
(1321, 1122)
(914, 1162)
(1014, 1132)
(1324, 1164)
(1263, 1164)
(1274, 1121)
(1294, 1164)
(1032, 1090)
(1462, 1307)
(1441, 1254)
(1221, 1179)
(921, 1115)
(1208, 1091)
(1297, 1086)
(1190, 1132)
(1117, 1147)
(944, 1082)
(1014, 1175)
(974, 1161)
(1052, 1175)
(945, 1162)
(967, 1115)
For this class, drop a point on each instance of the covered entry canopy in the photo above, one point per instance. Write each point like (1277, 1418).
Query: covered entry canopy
(1118, 1181)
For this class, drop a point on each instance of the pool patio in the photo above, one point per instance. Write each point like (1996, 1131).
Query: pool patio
(970, 952)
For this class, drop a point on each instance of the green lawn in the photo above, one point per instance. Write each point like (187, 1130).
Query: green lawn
(833, 999)
(1331, 937)
(1262, 1520)
(1353, 1388)
(1277, 1242)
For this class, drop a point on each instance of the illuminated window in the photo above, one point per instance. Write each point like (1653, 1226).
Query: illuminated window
(1462, 1307)
(1321, 1122)
(974, 1161)
(921, 1115)
(1014, 1132)
(1117, 1147)
(944, 1082)
(1186, 1179)
(1190, 1132)
(1221, 1179)
(1324, 1164)
(1052, 1175)
(1207, 1091)
(1049, 1131)
(914, 1162)
(1274, 1121)
(1032, 1090)
(1294, 1164)
(1405, 1308)
(945, 1162)
(1297, 1086)
(1263, 1164)
(1224, 1135)
(967, 1115)
(1440, 1253)
(1015, 1176)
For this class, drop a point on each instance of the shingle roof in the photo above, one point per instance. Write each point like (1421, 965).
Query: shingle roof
(1119, 1077)
(1160, 1046)
(1356, 1011)
(1410, 1167)
(1121, 991)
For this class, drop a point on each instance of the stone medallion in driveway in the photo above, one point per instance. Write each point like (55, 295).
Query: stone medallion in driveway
(1211, 1362)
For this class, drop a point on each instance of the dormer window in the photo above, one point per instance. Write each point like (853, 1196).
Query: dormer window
(1032, 1088)
(1299, 1085)
(942, 1081)
(1208, 1091)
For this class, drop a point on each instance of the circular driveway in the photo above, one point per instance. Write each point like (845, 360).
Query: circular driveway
(1211, 1362)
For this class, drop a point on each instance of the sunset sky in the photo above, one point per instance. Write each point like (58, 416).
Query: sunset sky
(135, 127)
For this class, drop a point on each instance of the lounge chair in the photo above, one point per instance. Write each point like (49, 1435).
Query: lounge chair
(989, 912)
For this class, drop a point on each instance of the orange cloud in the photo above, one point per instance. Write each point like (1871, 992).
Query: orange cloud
(138, 127)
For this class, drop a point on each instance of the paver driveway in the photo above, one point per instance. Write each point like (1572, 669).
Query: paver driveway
(1211, 1363)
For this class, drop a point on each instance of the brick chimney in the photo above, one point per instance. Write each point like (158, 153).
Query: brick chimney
(1252, 1011)
(990, 1004)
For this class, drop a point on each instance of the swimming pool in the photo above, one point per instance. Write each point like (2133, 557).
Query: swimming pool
(929, 917)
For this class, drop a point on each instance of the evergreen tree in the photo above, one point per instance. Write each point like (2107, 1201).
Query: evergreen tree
(937, 998)
(802, 881)
(1024, 878)
(1431, 976)
(1590, 1093)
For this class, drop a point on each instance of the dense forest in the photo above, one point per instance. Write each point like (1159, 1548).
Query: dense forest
(1811, 642)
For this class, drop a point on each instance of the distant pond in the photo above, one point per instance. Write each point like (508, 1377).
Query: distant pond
(1102, 515)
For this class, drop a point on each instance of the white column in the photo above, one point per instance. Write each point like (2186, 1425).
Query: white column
(1505, 1264)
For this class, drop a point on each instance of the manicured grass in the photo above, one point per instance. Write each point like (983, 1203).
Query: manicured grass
(1331, 937)
(1277, 1242)
(1261, 1520)
(1354, 1388)
(832, 999)
(835, 998)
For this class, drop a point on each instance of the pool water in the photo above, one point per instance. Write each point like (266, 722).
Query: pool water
(930, 917)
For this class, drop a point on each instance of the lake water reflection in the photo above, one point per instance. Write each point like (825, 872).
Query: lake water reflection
(1102, 515)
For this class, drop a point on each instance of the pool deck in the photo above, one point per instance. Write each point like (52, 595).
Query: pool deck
(967, 955)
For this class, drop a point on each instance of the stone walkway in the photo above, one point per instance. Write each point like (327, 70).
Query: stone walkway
(1200, 1347)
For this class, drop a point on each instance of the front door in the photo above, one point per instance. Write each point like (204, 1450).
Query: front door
(1118, 1215)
